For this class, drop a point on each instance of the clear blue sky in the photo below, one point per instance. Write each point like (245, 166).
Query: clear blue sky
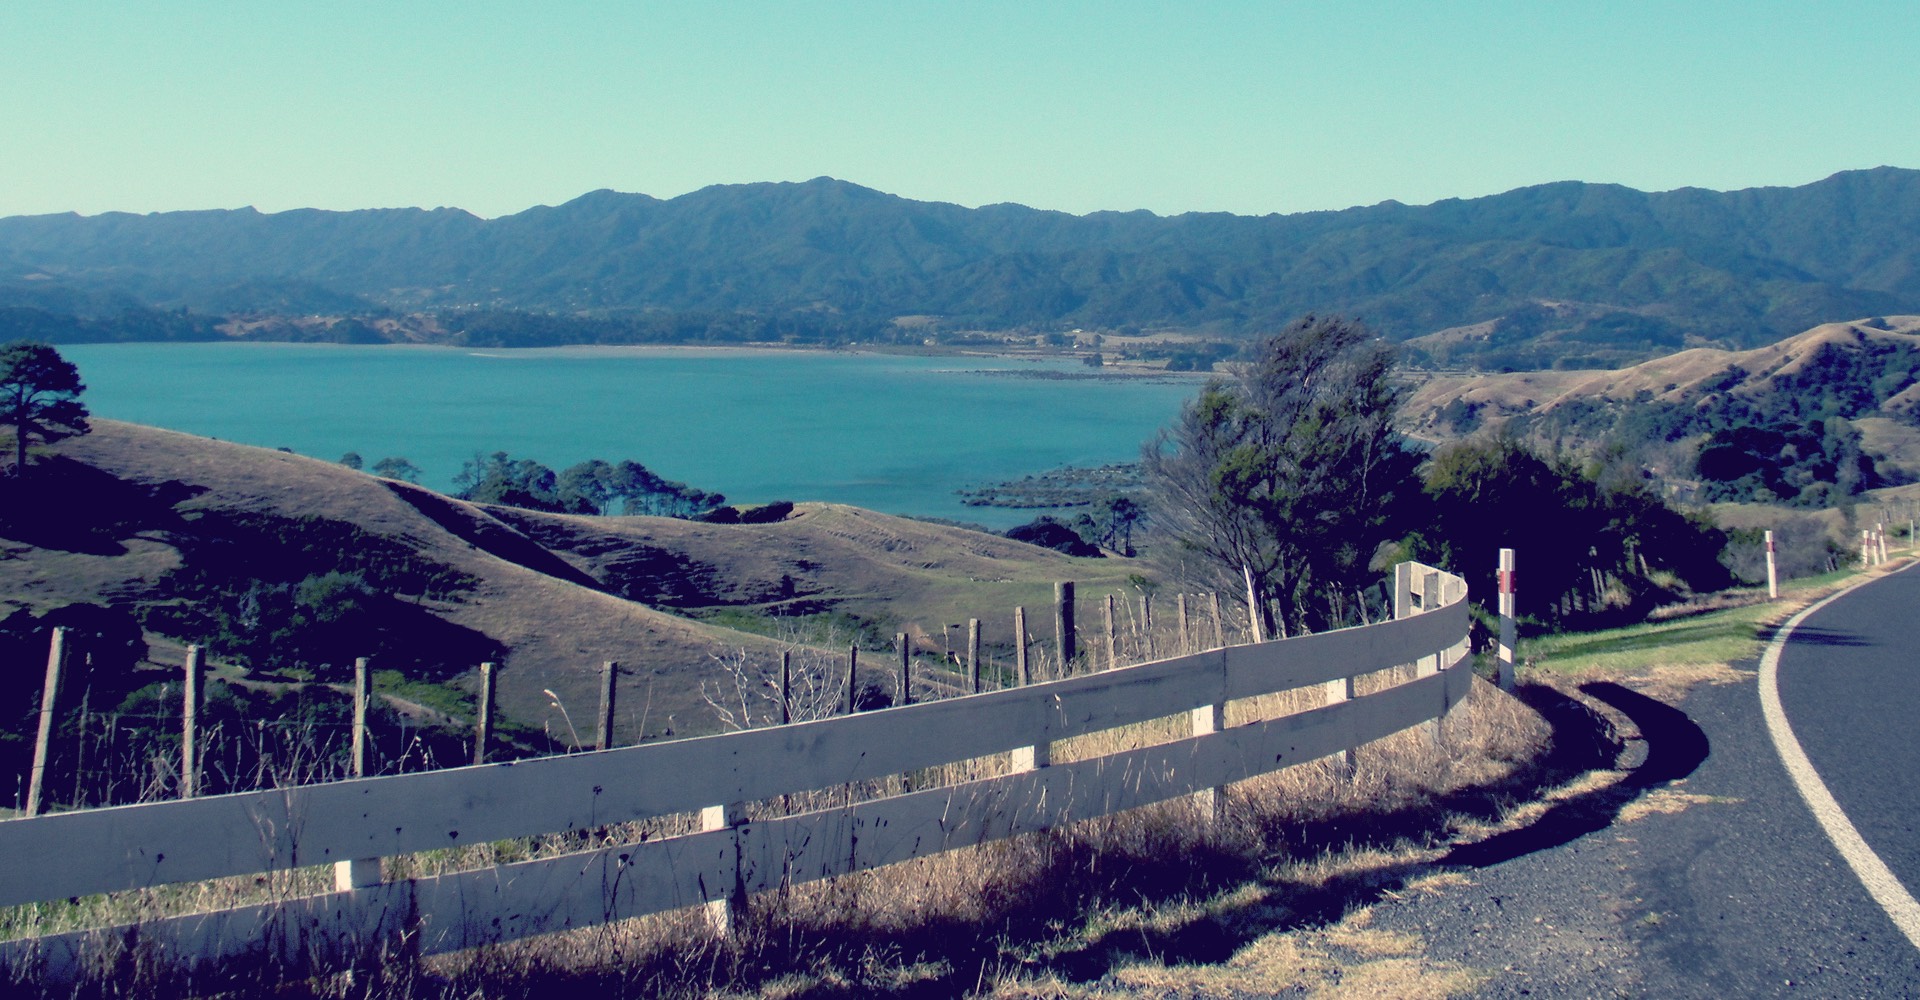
(1241, 107)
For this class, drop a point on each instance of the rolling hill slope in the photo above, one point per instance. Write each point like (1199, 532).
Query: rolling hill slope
(181, 530)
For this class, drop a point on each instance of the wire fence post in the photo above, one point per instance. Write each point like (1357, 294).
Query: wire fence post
(190, 726)
(483, 716)
(358, 873)
(973, 654)
(1063, 629)
(56, 659)
(905, 647)
(603, 734)
(1022, 673)
(786, 687)
(853, 675)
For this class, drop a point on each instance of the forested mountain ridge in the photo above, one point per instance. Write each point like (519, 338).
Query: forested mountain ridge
(1568, 273)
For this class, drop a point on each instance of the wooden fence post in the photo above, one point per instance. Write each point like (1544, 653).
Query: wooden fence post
(1113, 637)
(358, 873)
(56, 659)
(906, 667)
(1505, 652)
(1346, 762)
(1773, 573)
(483, 721)
(1063, 629)
(1146, 622)
(853, 675)
(360, 717)
(1880, 537)
(1210, 803)
(1186, 634)
(973, 654)
(1219, 624)
(1022, 672)
(603, 733)
(190, 726)
(786, 687)
(727, 912)
(1402, 590)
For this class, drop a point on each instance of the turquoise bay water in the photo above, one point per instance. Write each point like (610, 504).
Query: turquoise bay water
(892, 433)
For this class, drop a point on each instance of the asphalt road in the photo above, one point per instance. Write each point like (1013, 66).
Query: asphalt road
(1703, 873)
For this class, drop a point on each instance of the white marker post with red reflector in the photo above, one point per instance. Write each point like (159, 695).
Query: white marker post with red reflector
(1773, 574)
(1505, 653)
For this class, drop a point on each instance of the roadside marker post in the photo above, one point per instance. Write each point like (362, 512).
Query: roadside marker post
(1773, 573)
(1505, 653)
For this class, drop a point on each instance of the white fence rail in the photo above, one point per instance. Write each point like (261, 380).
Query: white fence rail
(131, 847)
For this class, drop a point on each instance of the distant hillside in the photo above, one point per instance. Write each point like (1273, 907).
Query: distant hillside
(1810, 420)
(195, 536)
(1567, 273)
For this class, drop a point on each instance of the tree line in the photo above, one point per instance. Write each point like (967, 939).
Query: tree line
(1289, 484)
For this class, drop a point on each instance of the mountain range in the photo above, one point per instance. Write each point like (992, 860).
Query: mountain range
(1565, 274)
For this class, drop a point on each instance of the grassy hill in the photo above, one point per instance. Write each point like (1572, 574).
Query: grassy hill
(1865, 373)
(194, 535)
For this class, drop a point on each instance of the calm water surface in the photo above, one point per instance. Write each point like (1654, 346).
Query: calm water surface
(896, 434)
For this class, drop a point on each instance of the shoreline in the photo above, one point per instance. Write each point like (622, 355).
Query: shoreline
(1111, 369)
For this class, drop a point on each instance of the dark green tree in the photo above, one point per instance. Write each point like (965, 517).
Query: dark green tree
(39, 397)
(1290, 476)
(352, 460)
(588, 487)
(1116, 515)
(395, 467)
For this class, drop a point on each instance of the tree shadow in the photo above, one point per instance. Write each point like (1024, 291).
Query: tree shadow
(68, 506)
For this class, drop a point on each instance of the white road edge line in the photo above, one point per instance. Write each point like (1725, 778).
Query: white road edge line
(1867, 866)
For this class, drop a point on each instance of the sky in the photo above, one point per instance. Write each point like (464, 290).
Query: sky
(1245, 107)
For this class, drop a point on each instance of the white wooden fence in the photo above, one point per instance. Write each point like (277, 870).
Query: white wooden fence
(74, 854)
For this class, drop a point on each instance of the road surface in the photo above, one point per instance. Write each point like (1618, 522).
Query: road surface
(1704, 873)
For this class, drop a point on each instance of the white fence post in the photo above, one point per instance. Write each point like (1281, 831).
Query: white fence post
(1346, 762)
(1880, 534)
(1402, 590)
(1211, 803)
(727, 912)
(1505, 653)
